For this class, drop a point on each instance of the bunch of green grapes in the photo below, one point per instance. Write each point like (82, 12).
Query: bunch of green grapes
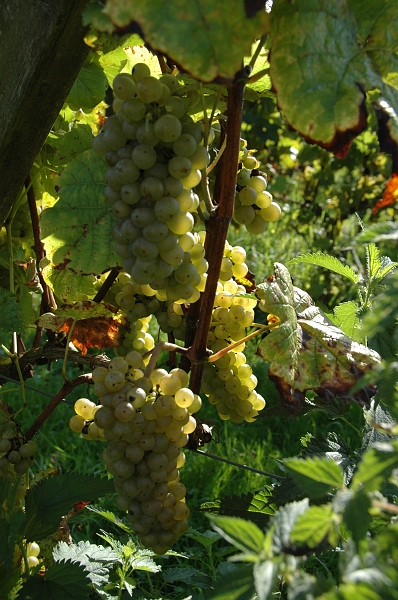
(153, 150)
(229, 382)
(254, 206)
(17, 455)
(147, 421)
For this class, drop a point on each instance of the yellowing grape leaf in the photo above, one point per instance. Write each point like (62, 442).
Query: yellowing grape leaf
(306, 351)
(207, 39)
(325, 55)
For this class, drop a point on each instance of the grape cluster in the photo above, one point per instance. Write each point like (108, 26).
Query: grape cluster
(17, 455)
(153, 150)
(254, 206)
(147, 421)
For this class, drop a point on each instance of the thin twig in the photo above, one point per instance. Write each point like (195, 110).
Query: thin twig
(57, 399)
(235, 464)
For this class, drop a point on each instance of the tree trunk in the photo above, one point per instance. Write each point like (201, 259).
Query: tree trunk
(42, 51)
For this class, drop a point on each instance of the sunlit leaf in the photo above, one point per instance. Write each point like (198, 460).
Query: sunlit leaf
(305, 351)
(213, 49)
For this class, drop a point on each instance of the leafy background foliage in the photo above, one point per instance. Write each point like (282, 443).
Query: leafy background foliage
(322, 527)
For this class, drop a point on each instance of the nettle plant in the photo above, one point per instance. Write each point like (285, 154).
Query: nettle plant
(130, 201)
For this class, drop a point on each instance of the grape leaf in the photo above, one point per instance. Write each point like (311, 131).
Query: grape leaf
(64, 580)
(50, 499)
(89, 87)
(68, 144)
(95, 325)
(321, 70)
(209, 40)
(11, 315)
(74, 228)
(305, 351)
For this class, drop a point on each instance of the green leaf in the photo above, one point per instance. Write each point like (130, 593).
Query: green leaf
(317, 41)
(237, 585)
(66, 580)
(189, 575)
(373, 263)
(327, 262)
(207, 538)
(96, 560)
(123, 58)
(284, 521)
(260, 86)
(377, 232)
(385, 308)
(75, 228)
(313, 526)
(52, 498)
(11, 315)
(265, 579)
(89, 87)
(315, 476)
(208, 40)
(107, 514)
(69, 144)
(243, 534)
(251, 506)
(332, 447)
(356, 515)
(347, 319)
(376, 466)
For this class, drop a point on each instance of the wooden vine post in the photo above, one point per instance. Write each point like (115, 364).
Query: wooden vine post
(42, 51)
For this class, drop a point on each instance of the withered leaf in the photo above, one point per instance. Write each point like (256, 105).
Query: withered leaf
(390, 195)
(96, 325)
(306, 351)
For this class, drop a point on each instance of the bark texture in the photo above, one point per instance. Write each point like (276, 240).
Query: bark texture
(41, 53)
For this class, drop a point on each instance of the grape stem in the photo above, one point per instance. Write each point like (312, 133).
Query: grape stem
(216, 230)
(219, 155)
(57, 399)
(156, 351)
(71, 328)
(251, 335)
(235, 464)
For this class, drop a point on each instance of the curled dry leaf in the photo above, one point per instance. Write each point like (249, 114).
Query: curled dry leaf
(96, 325)
(306, 351)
